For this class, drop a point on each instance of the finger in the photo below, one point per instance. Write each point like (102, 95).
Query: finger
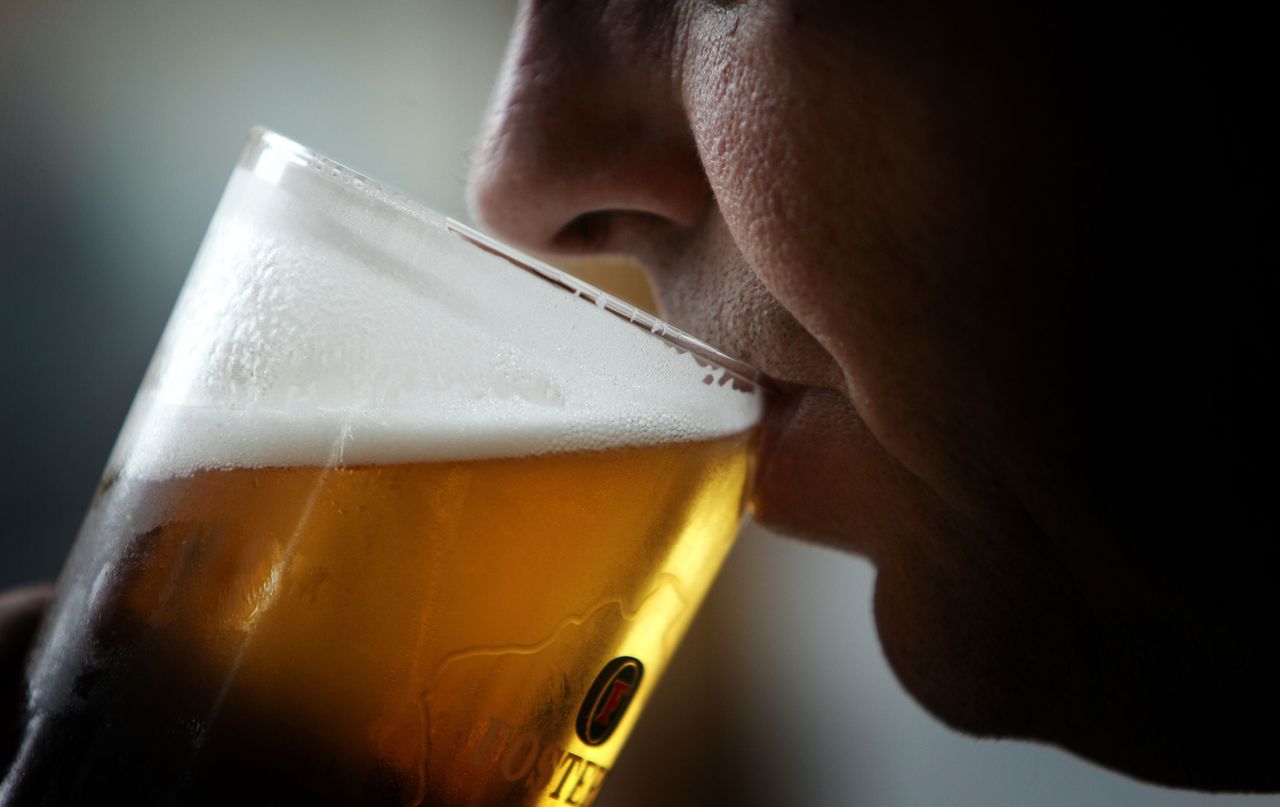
(20, 613)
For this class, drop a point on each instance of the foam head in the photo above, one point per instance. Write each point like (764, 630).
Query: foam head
(327, 320)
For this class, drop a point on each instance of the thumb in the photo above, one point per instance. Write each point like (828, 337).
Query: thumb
(20, 613)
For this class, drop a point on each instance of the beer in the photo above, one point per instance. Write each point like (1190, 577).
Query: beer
(436, 550)
(413, 633)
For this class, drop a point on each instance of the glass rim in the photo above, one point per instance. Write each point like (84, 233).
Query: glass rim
(745, 376)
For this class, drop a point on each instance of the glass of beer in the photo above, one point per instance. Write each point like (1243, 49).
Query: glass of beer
(399, 516)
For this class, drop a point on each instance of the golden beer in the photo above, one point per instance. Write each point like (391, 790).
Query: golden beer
(417, 633)
(398, 517)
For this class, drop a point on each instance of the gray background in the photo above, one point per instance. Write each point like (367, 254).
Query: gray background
(121, 121)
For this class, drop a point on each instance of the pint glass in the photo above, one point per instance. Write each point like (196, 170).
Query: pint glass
(399, 516)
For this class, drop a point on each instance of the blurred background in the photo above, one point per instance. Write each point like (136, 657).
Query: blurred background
(121, 120)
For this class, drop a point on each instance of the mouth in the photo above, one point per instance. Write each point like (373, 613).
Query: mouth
(783, 404)
(819, 475)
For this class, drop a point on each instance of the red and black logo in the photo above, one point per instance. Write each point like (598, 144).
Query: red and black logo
(608, 698)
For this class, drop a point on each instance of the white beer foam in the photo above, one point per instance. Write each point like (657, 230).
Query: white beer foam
(301, 338)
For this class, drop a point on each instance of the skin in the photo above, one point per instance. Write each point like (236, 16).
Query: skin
(970, 244)
(20, 612)
(1003, 266)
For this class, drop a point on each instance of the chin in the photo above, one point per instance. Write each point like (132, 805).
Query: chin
(1003, 659)
(977, 674)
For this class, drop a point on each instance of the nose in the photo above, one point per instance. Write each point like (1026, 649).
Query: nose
(587, 147)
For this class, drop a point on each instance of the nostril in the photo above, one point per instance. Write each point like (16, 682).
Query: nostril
(588, 232)
(621, 231)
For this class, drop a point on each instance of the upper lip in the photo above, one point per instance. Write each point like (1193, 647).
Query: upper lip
(782, 381)
(784, 378)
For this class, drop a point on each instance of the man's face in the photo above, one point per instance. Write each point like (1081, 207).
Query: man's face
(871, 202)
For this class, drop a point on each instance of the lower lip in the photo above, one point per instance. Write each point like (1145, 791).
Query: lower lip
(781, 412)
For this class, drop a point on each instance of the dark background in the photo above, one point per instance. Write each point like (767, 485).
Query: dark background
(119, 123)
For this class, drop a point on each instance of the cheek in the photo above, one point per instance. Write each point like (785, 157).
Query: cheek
(870, 193)
(737, 108)
(778, 133)
(786, 144)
